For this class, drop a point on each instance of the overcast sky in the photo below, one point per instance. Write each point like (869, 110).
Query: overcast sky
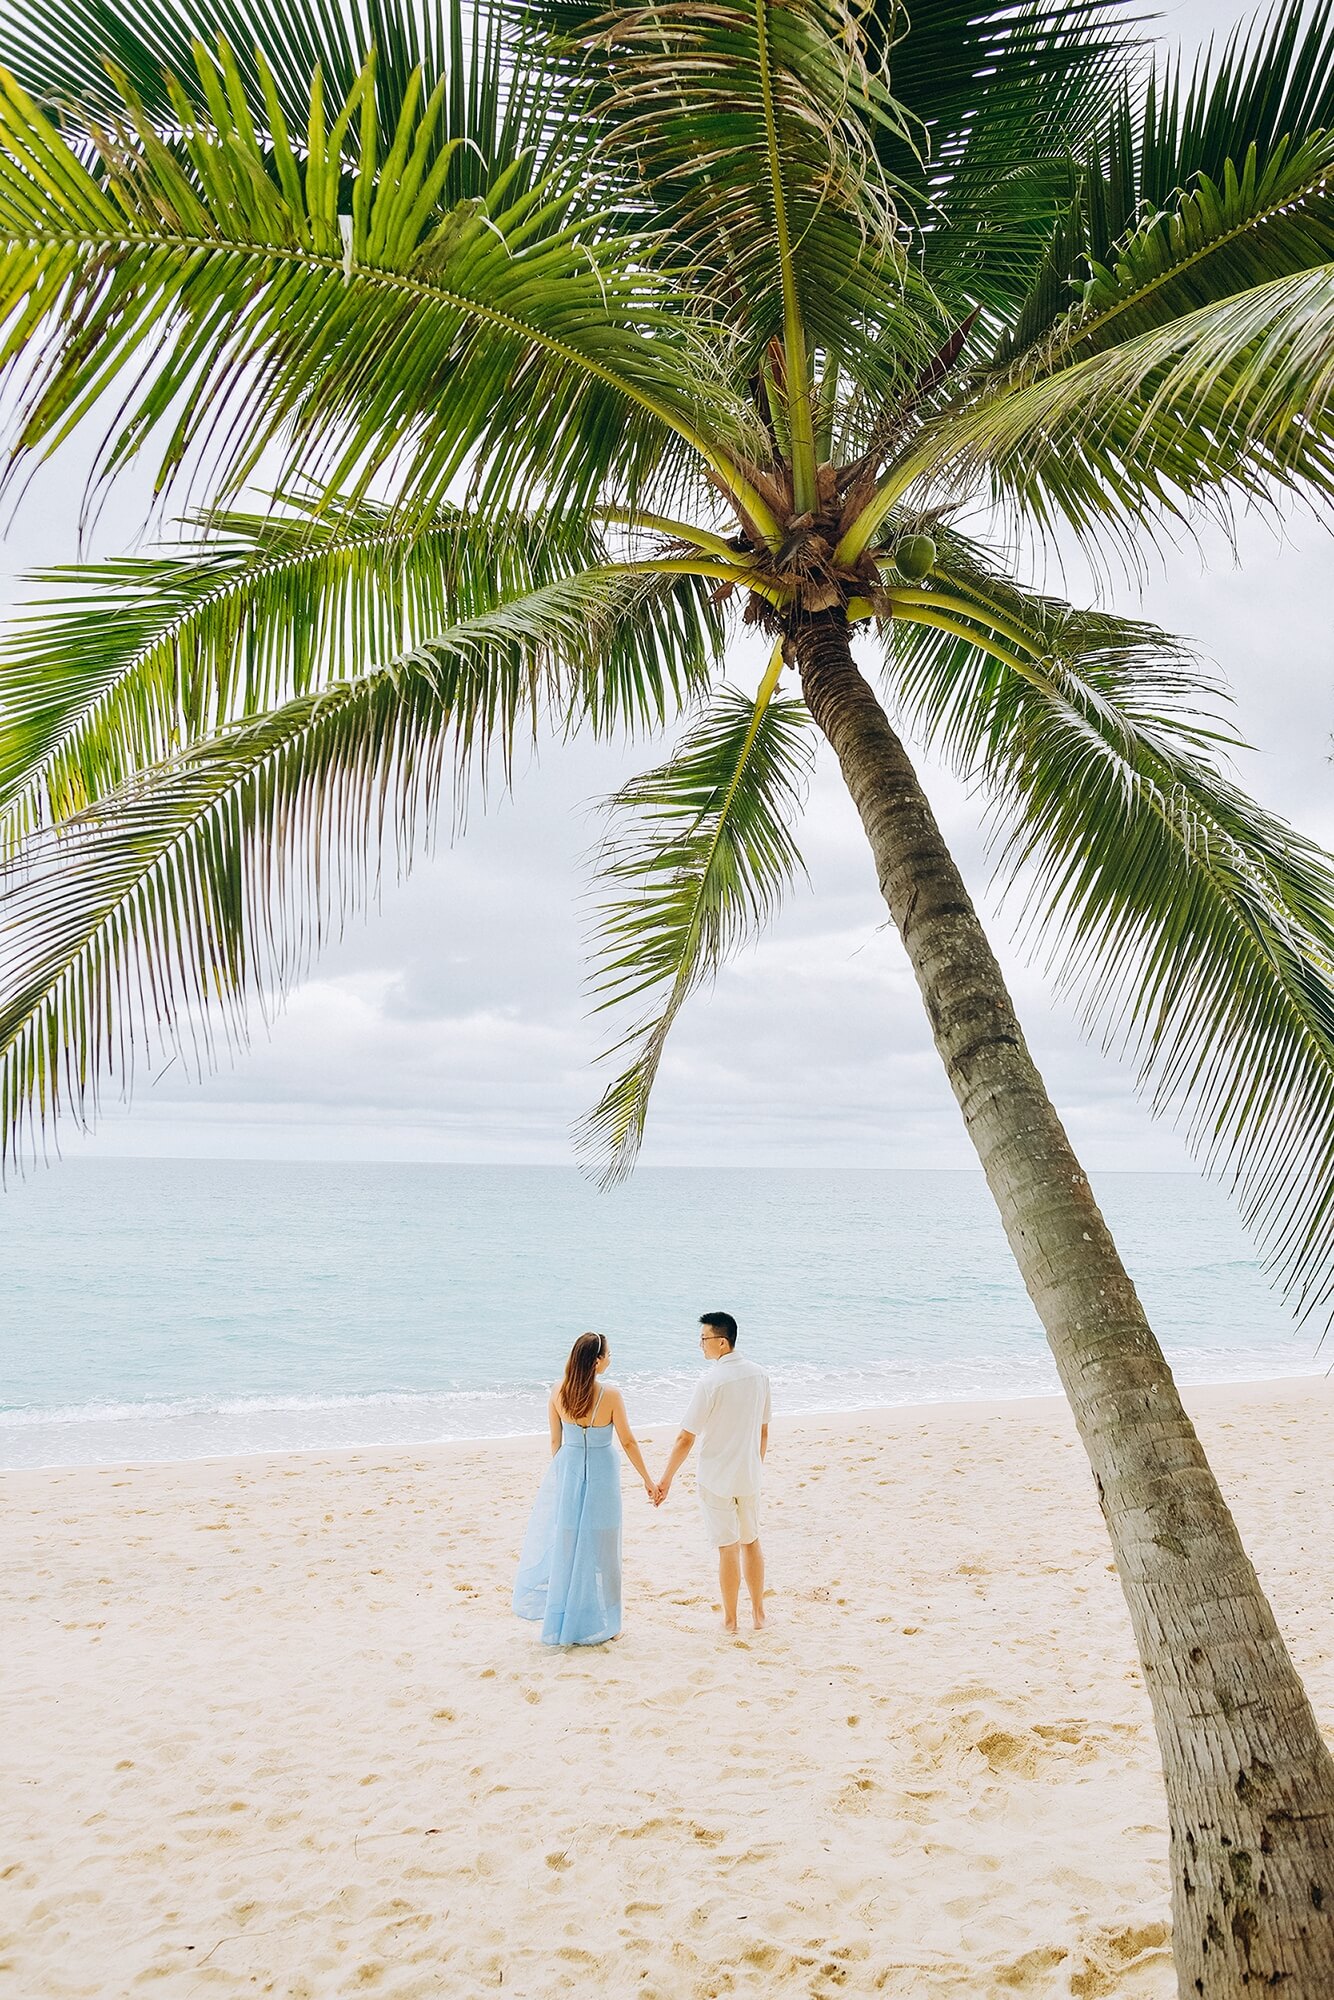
(451, 1025)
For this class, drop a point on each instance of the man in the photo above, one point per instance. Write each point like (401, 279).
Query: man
(729, 1413)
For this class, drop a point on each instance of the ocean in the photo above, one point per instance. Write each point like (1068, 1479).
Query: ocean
(169, 1309)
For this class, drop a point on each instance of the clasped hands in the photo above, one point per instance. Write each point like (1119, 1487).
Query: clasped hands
(657, 1491)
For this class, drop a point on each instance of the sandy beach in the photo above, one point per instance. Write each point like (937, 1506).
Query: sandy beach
(271, 1728)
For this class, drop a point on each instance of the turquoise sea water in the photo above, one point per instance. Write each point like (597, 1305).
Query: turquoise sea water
(174, 1309)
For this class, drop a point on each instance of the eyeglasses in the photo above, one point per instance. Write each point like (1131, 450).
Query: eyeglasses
(705, 1338)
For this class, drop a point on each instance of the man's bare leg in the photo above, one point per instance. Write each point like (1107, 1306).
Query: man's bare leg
(752, 1564)
(729, 1582)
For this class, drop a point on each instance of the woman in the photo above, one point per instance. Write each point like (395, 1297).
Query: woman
(570, 1569)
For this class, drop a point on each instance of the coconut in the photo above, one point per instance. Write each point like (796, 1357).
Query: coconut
(915, 557)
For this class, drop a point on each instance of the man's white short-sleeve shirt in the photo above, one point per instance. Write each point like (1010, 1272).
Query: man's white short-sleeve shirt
(727, 1410)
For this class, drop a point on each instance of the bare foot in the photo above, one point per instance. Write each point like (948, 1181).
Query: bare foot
(757, 1617)
(729, 1626)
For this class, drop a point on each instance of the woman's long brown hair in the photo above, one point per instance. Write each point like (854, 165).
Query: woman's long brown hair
(578, 1389)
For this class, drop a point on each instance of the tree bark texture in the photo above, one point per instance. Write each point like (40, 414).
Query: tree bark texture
(1250, 1782)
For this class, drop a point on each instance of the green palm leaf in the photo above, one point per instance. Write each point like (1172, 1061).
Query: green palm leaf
(120, 665)
(77, 65)
(1243, 117)
(1009, 97)
(330, 306)
(1230, 400)
(1195, 927)
(72, 60)
(207, 881)
(747, 130)
(1030, 70)
(698, 860)
(1259, 222)
(1189, 201)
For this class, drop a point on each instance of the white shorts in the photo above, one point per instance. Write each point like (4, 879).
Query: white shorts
(730, 1518)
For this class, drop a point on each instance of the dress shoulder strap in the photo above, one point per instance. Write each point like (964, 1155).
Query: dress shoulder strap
(590, 1422)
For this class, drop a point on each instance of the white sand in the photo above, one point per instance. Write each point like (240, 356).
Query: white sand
(269, 1727)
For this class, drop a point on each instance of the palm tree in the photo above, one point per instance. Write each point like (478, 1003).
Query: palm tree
(554, 339)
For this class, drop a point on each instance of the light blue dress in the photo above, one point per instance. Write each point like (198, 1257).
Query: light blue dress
(570, 1568)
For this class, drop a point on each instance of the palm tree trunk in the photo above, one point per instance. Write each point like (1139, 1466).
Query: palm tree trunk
(1250, 1782)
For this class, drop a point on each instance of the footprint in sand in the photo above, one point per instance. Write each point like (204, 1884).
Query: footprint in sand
(1111, 1953)
(856, 1797)
(1031, 1969)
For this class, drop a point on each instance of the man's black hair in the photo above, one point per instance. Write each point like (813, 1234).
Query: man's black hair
(722, 1323)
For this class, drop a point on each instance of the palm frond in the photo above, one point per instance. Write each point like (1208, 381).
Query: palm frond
(1195, 927)
(1260, 222)
(1034, 68)
(1189, 203)
(120, 665)
(1191, 187)
(1230, 400)
(748, 131)
(293, 293)
(1009, 97)
(701, 854)
(207, 882)
(71, 61)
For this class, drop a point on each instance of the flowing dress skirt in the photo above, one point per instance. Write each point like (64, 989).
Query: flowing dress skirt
(570, 1568)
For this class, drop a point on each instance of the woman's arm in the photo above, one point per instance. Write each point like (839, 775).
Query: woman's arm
(628, 1444)
(554, 1419)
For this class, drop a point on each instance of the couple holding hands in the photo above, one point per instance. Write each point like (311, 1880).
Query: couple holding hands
(570, 1569)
